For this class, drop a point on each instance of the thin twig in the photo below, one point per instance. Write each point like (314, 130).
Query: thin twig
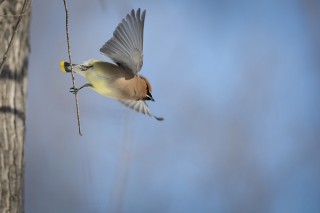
(72, 74)
(4, 58)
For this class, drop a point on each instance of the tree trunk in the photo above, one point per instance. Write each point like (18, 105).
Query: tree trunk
(13, 81)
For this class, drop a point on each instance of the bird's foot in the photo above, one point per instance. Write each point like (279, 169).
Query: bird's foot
(74, 90)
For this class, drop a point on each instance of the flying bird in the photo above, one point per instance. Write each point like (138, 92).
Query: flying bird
(119, 80)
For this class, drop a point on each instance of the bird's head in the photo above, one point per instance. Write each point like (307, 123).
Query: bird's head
(148, 90)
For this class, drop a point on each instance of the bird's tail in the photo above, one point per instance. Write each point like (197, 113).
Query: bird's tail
(65, 66)
(77, 68)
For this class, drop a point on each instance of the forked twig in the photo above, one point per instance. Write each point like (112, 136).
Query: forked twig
(72, 73)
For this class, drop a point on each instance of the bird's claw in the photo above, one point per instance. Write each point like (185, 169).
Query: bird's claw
(74, 90)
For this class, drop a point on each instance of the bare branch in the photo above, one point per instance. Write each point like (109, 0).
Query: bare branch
(72, 73)
(22, 12)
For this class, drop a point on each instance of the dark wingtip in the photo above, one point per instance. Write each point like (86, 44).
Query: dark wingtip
(158, 118)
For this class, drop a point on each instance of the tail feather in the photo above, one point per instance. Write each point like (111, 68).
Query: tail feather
(65, 66)
(78, 68)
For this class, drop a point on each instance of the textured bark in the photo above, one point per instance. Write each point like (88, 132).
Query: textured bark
(13, 81)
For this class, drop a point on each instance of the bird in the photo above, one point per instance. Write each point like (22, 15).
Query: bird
(119, 80)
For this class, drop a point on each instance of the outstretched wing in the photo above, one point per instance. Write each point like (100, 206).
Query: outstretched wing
(139, 106)
(126, 46)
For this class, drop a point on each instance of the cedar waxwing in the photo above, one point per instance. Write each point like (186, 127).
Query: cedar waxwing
(119, 81)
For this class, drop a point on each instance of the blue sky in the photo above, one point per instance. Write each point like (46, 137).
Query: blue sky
(237, 83)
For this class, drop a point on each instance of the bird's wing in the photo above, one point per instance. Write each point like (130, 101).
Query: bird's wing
(126, 46)
(139, 106)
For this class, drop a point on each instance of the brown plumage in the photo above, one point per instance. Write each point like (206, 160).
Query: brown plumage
(120, 81)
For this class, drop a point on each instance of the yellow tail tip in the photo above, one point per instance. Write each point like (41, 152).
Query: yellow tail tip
(63, 69)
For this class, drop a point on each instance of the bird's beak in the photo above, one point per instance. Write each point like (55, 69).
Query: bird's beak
(149, 96)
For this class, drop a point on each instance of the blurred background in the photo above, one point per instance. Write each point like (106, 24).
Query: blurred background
(236, 81)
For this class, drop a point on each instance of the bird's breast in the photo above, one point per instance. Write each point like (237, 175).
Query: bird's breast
(113, 82)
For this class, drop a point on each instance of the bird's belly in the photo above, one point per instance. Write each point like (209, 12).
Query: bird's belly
(102, 85)
(116, 88)
(105, 90)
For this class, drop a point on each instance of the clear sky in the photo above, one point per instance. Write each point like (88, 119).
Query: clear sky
(236, 81)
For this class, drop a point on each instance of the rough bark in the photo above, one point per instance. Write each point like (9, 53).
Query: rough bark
(13, 81)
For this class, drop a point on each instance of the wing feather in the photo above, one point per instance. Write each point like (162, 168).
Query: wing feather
(137, 105)
(140, 106)
(126, 46)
